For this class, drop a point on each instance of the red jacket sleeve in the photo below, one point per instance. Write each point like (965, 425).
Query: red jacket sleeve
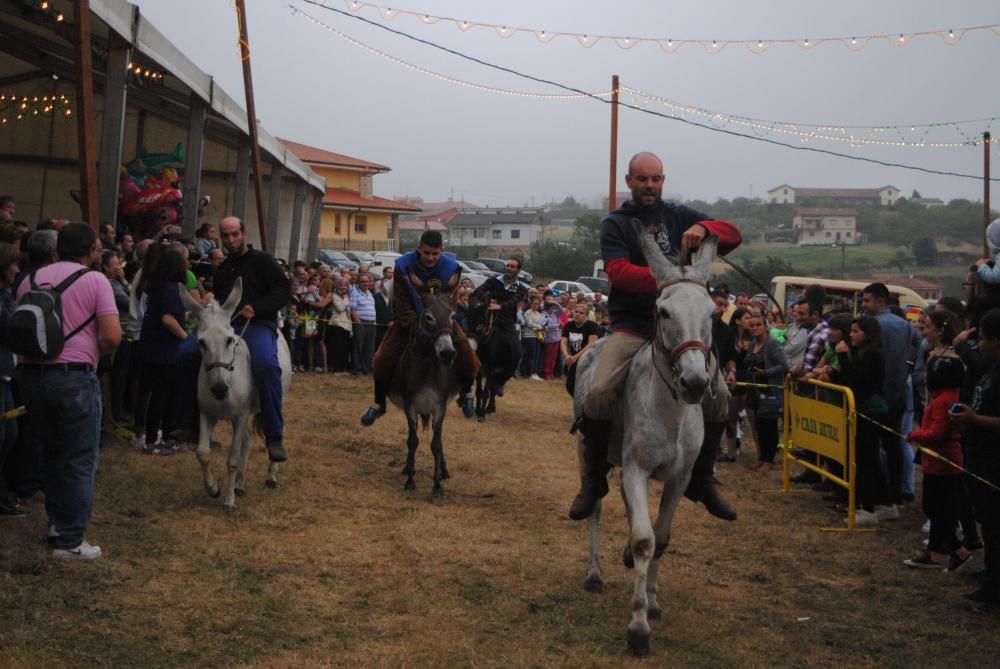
(729, 234)
(935, 427)
(629, 277)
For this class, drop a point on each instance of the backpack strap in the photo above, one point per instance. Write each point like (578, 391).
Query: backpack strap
(61, 288)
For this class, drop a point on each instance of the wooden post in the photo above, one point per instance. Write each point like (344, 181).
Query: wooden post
(192, 165)
(395, 233)
(986, 192)
(317, 222)
(613, 185)
(258, 179)
(274, 202)
(113, 126)
(242, 178)
(85, 114)
(293, 243)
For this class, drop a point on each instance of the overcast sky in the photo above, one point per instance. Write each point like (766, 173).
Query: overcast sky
(442, 139)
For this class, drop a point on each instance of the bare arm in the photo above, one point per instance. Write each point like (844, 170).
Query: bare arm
(173, 327)
(109, 332)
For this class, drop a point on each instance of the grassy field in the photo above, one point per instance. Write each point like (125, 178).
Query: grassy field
(341, 567)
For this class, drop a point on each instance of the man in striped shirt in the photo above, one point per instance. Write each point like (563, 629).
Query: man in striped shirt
(363, 315)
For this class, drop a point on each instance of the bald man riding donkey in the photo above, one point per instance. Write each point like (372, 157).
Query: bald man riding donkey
(677, 230)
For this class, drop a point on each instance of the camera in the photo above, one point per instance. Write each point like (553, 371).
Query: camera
(954, 408)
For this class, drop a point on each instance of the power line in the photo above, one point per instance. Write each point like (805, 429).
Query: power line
(586, 94)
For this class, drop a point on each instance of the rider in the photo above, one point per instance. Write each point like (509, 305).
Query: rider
(266, 289)
(503, 297)
(434, 270)
(632, 308)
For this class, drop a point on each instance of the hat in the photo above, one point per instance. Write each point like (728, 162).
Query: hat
(555, 293)
(993, 236)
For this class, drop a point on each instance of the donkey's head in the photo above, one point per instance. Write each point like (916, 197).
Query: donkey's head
(436, 326)
(683, 314)
(216, 339)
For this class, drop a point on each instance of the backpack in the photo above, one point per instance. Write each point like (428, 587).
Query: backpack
(36, 327)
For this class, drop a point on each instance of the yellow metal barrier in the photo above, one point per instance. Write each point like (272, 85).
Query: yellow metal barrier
(820, 418)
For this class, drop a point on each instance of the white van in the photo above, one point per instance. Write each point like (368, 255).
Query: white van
(788, 289)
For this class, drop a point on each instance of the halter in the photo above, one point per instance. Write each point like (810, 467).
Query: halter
(674, 355)
(232, 362)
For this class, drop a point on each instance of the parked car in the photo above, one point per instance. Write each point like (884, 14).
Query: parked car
(476, 266)
(595, 283)
(335, 259)
(382, 259)
(572, 286)
(360, 257)
(499, 265)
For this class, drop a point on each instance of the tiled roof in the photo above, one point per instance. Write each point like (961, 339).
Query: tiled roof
(419, 225)
(826, 212)
(345, 197)
(311, 154)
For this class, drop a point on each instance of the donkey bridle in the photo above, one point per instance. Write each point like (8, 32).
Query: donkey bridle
(231, 365)
(674, 354)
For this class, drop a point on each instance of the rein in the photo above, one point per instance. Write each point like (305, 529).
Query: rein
(232, 361)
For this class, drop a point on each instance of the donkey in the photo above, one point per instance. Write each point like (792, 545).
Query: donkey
(657, 427)
(226, 391)
(496, 355)
(425, 381)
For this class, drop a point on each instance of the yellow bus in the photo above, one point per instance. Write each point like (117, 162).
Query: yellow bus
(788, 289)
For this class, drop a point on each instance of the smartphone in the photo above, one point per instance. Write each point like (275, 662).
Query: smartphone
(954, 408)
(172, 230)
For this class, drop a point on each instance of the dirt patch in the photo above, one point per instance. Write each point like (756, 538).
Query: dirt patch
(341, 567)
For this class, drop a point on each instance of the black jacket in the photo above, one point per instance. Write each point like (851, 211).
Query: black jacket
(265, 286)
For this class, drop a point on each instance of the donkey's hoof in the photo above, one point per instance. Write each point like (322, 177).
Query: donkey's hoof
(239, 492)
(654, 614)
(627, 557)
(594, 584)
(271, 483)
(437, 492)
(213, 490)
(229, 509)
(444, 474)
(638, 643)
(481, 419)
(409, 485)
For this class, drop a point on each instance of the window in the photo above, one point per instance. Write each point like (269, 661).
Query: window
(829, 234)
(515, 234)
(498, 234)
(361, 223)
(478, 232)
(336, 224)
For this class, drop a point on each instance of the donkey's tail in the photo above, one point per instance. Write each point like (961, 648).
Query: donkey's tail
(257, 424)
(425, 421)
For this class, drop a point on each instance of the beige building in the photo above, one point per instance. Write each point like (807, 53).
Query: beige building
(784, 194)
(824, 227)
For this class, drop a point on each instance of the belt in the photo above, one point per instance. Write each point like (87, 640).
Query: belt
(61, 366)
(364, 322)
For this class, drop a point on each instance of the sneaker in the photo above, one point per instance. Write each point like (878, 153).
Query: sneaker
(276, 451)
(374, 412)
(864, 518)
(160, 448)
(956, 562)
(318, 370)
(923, 561)
(9, 508)
(908, 497)
(536, 377)
(51, 535)
(887, 513)
(926, 528)
(468, 406)
(138, 442)
(82, 552)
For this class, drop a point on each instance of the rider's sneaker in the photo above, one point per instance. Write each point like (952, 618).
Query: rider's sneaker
(275, 450)
(468, 406)
(498, 389)
(374, 412)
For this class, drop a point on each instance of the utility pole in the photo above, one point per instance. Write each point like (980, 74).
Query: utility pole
(613, 187)
(986, 192)
(86, 144)
(258, 180)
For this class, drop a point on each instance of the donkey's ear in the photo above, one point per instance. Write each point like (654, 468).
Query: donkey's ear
(659, 264)
(189, 302)
(235, 295)
(701, 265)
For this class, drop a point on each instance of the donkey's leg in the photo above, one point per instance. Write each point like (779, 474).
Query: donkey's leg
(235, 453)
(412, 441)
(635, 485)
(437, 448)
(672, 493)
(594, 581)
(272, 475)
(207, 424)
(481, 383)
(244, 455)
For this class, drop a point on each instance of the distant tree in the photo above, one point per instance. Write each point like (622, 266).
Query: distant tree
(924, 251)
(915, 195)
(587, 235)
(900, 260)
(570, 204)
(553, 259)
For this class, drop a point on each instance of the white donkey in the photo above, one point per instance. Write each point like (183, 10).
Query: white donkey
(657, 426)
(226, 390)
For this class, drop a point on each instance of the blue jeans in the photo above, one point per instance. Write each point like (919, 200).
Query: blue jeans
(364, 347)
(261, 338)
(8, 437)
(64, 409)
(530, 359)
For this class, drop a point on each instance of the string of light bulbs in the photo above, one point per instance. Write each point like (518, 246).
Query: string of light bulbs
(17, 107)
(949, 36)
(882, 135)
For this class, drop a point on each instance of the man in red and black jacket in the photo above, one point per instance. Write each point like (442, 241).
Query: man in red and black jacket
(631, 305)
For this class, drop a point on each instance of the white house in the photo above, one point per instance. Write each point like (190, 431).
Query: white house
(825, 227)
(885, 196)
(501, 229)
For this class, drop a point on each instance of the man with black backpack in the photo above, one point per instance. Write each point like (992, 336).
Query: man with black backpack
(65, 320)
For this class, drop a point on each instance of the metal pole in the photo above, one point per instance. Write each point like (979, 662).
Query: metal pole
(986, 191)
(87, 147)
(258, 180)
(612, 185)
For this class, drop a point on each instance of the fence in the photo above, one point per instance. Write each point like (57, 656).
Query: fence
(820, 424)
(366, 245)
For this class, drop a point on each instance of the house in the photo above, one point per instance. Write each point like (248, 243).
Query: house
(502, 230)
(784, 194)
(928, 202)
(353, 218)
(432, 215)
(824, 227)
